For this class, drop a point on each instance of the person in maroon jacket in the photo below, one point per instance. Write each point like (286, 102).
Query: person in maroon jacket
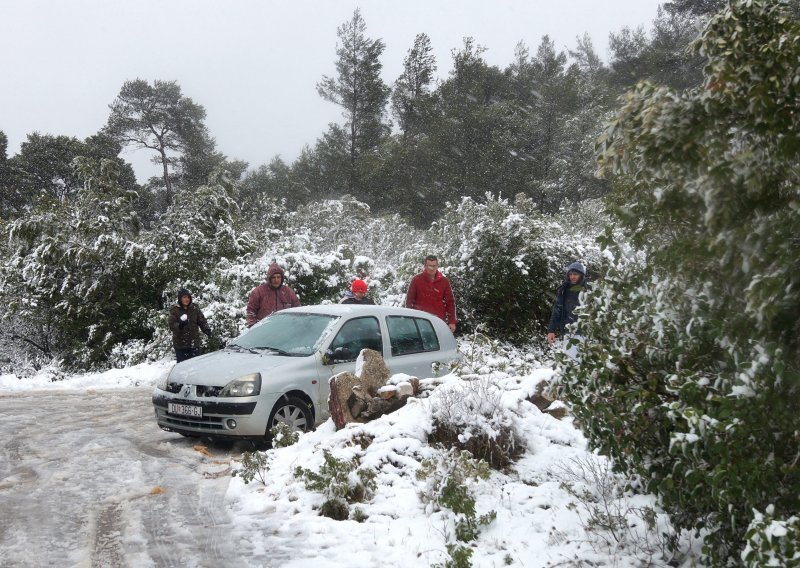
(430, 292)
(271, 296)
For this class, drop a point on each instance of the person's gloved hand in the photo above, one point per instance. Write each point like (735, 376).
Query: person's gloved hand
(184, 320)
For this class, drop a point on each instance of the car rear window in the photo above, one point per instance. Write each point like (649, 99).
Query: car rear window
(411, 335)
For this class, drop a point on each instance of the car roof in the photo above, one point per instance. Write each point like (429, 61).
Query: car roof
(345, 309)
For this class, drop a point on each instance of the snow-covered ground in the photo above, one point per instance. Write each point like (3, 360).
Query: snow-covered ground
(144, 375)
(557, 505)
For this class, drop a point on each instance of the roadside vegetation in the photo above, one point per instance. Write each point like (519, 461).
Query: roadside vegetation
(690, 359)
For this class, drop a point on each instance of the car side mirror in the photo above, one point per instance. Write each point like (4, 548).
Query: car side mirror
(339, 354)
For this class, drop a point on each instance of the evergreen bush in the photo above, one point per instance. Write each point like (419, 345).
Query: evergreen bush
(470, 417)
(772, 542)
(691, 361)
(341, 481)
(505, 261)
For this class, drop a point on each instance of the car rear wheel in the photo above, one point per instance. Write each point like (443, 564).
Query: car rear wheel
(293, 412)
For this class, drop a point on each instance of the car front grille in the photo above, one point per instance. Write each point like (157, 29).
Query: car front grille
(205, 423)
(203, 390)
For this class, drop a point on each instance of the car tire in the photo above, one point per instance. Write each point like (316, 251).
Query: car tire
(293, 411)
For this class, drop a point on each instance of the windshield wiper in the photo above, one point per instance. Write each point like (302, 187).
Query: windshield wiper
(278, 350)
(242, 347)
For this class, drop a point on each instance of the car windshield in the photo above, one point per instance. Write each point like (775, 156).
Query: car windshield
(294, 334)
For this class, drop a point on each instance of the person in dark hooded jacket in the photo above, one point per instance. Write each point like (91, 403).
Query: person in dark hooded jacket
(186, 320)
(567, 299)
(271, 296)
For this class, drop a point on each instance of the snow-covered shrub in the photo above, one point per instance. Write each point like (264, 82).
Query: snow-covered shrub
(92, 285)
(196, 231)
(505, 261)
(659, 388)
(772, 542)
(470, 415)
(317, 277)
(75, 273)
(283, 436)
(691, 364)
(483, 355)
(447, 477)
(609, 510)
(383, 250)
(341, 481)
(159, 346)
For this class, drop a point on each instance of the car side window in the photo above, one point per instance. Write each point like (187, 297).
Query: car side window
(355, 335)
(411, 335)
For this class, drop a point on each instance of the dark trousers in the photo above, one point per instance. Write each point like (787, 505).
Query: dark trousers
(183, 353)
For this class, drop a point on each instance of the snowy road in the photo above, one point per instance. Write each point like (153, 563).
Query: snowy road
(87, 479)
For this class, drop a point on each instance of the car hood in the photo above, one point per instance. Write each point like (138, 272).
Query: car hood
(221, 367)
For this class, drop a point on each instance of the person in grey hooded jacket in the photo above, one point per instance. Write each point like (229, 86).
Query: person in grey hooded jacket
(567, 299)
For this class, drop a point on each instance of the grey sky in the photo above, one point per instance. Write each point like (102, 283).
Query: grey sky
(253, 64)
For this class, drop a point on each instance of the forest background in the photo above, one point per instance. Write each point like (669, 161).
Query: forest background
(525, 133)
(689, 231)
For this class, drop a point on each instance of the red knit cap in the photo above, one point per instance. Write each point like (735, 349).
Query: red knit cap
(358, 286)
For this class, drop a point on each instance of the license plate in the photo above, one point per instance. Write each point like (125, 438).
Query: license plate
(184, 409)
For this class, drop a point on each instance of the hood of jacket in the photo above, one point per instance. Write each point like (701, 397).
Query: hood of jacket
(273, 269)
(184, 292)
(576, 267)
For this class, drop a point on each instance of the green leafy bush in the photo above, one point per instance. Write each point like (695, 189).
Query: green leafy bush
(283, 436)
(505, 261)
(341, 482)
(447, 477)
(255, 465)
(772, 542)
(690, 363)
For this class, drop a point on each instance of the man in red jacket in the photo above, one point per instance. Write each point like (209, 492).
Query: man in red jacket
(430, 292)
(271, 296)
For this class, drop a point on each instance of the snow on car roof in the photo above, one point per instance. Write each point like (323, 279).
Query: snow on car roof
(342, 309)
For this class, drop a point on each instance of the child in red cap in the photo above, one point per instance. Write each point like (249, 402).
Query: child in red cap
(359, 291)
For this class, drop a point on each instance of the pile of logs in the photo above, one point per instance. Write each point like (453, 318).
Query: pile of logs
(367, 396)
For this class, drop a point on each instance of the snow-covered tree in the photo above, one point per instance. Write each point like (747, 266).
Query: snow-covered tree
(412, 93)
(505, 261)
(73, 281)
(692, 359)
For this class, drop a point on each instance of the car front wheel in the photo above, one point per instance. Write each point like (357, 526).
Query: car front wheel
(293, 412)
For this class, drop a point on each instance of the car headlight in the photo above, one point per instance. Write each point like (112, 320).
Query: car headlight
(248, 385)
(163, 381)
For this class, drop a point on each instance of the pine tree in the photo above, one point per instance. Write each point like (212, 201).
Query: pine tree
(360, 91)
(160, 118)
(411, 95)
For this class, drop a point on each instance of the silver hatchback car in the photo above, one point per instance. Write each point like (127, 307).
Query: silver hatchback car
(278, 370)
